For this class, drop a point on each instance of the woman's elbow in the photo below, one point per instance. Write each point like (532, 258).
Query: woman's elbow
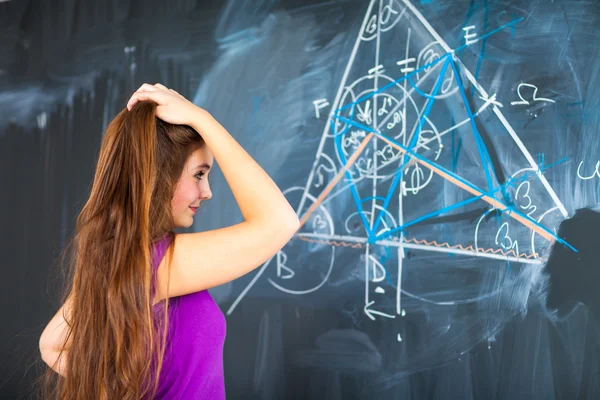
(55, 360)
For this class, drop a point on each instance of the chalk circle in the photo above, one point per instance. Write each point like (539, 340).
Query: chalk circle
(387, 20)
(303, 266)
(396, 119)
(428, 55)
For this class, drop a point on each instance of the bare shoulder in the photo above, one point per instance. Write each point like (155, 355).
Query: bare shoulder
(202, 260)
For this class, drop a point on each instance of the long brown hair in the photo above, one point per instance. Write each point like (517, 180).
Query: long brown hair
(118, 342)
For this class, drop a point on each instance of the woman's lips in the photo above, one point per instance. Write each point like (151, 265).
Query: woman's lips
(194, 209)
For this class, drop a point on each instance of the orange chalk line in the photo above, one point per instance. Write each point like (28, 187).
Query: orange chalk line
(342, 243)
(495, 203)
(335, 180)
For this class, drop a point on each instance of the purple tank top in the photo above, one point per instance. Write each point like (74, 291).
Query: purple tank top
(193, 363)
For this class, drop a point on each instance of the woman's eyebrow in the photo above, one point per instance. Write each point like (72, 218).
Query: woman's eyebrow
(204, 165)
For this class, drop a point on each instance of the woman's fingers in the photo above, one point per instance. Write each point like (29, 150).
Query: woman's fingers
(148, 92)
(137, 96)
(134, 99)
(166, 88)
(146, 87)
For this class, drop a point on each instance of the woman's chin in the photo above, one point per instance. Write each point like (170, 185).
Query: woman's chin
(189, 221)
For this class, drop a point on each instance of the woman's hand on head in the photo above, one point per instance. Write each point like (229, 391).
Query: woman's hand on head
(172, 107)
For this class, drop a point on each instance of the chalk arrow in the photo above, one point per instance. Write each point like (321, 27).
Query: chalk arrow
(370, 312)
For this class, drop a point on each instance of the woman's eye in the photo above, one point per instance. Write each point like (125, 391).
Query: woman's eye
(199, 175)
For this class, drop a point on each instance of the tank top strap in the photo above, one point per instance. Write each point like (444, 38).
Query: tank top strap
(157, 252)
(159, 248)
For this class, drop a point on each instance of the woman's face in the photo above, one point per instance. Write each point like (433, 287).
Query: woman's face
(192, 187)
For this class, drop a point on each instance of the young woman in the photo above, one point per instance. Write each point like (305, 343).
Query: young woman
(137, 319)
